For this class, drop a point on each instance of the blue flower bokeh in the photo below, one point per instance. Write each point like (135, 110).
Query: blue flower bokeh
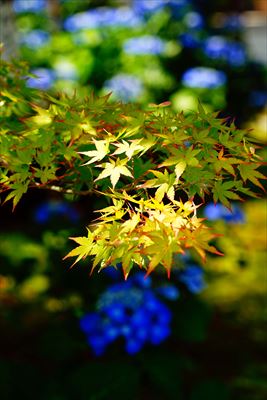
(49, 210)
(190, 40)
(193, 278)
(125, 87)
(35, 38)
(219, 48)
(217, 211)
(21, 6)
(258, 98)
(148, 7)
(233, 23)
(142, 7)
(194, 20)
(44, 79)
(102, 17)
(169, 291)
(147, 44)
(203, 77)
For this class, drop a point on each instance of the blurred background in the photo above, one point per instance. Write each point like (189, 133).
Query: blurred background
(200, 335)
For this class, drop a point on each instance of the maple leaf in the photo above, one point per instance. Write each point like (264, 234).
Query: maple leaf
(172, 160)
(221, 192)
(164, 246)
(84, 248)
(180, 162)
(111, 209)
(130, 224)
(46, 174)
(199, 239)
(114, 170)
(225, 163)
(248, 172)
(187, 208)
(128, 149)
(43, 118)
(18, 189)
(179, 169)
(102, 149)
(164, 182)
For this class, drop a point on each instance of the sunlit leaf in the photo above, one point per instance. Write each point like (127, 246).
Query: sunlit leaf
(102, 149)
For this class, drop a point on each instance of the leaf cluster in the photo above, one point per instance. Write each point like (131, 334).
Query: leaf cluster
(142, 161)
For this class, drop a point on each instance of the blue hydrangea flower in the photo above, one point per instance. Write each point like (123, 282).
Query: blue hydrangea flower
(142, 280)
(133, 346)
(219, 48)
(48, 210)
(258, 98)
(159, 333)
(215, 46)
(189, 40)
(90, 322)
(144, 45)
(99, 333)
(122, 16)
(82, 20)
(236, 55)
(233, 23)
(194, 20)
(217, 211)
(44, 79)
(98, 343)
(169, 291)
(35, 38)
(193, 278)
(147, 7)
(203, 77)
(112, 272)
(125, 87)
(102, 17)
(34, 6)
(129, 310)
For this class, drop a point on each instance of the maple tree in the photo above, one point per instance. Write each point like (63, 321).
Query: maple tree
(153, 167)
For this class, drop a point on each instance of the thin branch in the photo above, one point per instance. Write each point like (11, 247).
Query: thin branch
(59, 189)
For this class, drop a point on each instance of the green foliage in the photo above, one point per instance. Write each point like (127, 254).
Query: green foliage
(142, 161)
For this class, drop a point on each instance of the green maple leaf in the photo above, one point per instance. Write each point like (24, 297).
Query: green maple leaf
(190, 156)
(46, 174)
(181, 160)
(222, 193)
(225, 163)
(248, 172)
(25, 155)
(18, 189)
(174, 159)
